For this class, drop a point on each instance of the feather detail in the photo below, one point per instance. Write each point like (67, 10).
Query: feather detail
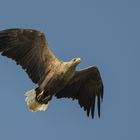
(32, 103)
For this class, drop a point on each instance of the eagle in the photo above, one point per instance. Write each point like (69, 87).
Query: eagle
(54, 77)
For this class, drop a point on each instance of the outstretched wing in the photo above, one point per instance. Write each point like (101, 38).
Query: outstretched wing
(86, 86)
(28, 48)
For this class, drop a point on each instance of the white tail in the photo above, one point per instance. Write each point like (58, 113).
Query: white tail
(32, 104)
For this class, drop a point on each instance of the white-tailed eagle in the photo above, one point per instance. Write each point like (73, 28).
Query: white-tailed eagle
(29, 48)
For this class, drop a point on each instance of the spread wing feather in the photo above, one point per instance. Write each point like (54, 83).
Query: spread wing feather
(86, 86)
(29, 49)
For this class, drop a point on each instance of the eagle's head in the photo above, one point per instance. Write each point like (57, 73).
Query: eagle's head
(75, 61)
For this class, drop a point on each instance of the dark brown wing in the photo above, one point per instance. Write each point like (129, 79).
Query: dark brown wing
(86, 86)
(29, 49)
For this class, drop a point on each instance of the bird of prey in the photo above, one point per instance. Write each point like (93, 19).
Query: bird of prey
(54, 77)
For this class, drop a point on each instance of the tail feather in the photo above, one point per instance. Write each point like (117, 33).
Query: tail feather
(31, 102)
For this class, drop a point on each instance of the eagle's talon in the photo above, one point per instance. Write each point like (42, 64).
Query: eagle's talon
(46, 99)
(39, 97)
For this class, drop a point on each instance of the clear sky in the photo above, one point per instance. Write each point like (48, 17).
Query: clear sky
(105, 33)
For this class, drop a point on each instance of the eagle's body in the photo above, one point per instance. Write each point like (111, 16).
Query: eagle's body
(54, 77)
(54, 81)
(59, 72)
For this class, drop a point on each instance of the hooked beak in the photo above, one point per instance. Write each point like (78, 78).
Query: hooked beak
(78, 60)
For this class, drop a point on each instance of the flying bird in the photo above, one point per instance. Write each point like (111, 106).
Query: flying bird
(54, 77)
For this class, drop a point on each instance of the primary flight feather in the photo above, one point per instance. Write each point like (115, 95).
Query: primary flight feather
(29, 48)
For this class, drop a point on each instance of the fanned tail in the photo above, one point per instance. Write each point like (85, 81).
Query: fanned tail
(31, 102)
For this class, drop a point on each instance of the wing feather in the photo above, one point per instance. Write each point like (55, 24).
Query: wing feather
(29, 49)
(86, 86)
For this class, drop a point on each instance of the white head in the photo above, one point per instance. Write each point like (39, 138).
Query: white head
(75, 61)
(71, 65)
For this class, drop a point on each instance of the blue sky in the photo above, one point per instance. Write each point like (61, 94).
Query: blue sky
(102, 33)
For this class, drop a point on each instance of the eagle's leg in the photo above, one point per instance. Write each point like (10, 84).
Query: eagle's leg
(42, 97)
(39, 96)
(32, 103)
(46, 99)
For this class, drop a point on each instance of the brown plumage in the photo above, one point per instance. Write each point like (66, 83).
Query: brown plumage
(29, 49)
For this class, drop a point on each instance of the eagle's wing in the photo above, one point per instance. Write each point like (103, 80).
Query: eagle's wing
(86, 86)
(28, 48)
